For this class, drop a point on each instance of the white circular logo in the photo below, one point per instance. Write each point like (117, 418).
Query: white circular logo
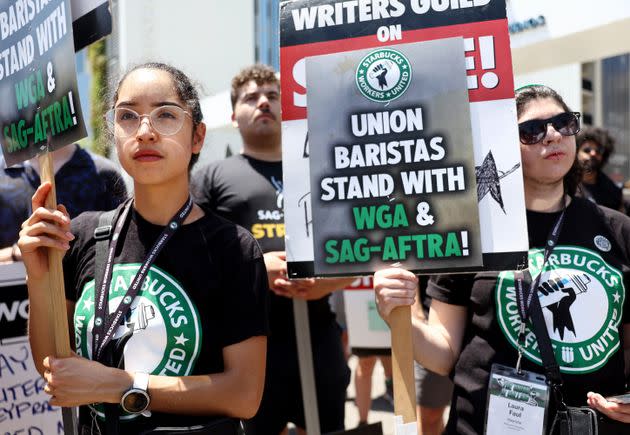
(383, 75)
(602, 243)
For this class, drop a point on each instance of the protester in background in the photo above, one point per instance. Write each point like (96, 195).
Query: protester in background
(247, 189)
(433, 391)
(84, 182)
(594, 148)
(192, 341)
(463, 334)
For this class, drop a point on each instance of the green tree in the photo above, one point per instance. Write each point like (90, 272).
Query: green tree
(97, 59)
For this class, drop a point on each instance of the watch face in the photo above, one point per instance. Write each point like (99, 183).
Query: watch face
(135, 401)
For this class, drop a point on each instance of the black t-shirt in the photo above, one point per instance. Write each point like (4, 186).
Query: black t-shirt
(604, 192)
(585, 325)
(86, 182)
(248, 192)
(205, 291)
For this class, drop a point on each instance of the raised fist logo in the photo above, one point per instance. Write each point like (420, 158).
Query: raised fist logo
(379, 71)
(557, 295)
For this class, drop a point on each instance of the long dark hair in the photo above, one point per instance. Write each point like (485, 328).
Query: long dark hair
(525, 95)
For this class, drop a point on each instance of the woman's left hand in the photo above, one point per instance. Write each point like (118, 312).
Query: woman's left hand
(613, 410)
(78, 381)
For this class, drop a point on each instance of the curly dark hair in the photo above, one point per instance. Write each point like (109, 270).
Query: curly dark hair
(184, 87)
(261, 74)
(601, 137)
(524, 96)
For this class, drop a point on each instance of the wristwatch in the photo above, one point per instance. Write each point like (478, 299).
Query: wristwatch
(136, 399)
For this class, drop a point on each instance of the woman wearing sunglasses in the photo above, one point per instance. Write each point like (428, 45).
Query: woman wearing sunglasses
(166, 301)
(474, 322)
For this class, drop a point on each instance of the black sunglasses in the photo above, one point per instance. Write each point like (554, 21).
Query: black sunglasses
(533, 131)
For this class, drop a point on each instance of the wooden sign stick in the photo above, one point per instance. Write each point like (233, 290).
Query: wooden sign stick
(402, 365)
(57, 295)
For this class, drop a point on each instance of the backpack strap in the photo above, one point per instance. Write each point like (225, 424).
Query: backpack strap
(102, 235)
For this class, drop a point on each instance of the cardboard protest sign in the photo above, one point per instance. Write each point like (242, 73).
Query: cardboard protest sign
(40, 102)
(24, 407)
(392, 165)
(315, 28)
(91, 21)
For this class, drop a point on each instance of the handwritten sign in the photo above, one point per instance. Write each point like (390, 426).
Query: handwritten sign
(24, 407)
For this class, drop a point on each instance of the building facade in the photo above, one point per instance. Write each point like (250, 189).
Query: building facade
(582, 49)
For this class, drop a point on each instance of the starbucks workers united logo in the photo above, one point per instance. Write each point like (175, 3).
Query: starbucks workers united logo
(161, 333)
(383, 75)
(582, 300)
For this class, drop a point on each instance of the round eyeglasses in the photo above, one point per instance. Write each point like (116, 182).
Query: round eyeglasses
(166, 120)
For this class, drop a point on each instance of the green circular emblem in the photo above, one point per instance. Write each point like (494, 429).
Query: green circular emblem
(383, 75)
(173, 225)
(161, 334)
(581, 297)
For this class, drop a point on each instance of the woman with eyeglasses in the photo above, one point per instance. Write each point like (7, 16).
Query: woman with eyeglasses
(166, 301)
(474, 320)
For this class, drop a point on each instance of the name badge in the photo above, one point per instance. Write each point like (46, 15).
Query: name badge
(517, 402)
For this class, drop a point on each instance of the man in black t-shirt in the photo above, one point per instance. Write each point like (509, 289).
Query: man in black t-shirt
(594, 146)
(247, 189)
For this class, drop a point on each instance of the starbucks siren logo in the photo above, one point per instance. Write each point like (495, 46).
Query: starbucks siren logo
(383, 75)
(581, 297)
(161, 333)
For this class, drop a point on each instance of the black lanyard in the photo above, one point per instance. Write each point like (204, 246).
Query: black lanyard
(524, 300)
(105, 323)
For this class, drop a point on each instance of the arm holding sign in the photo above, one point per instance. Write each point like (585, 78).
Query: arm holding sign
(44, 229)
(437, 342)
(276, 265)
(78, 381)
(307, 289)
(323, 287)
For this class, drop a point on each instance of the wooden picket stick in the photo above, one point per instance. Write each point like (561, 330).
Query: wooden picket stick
(402, 364)
(305, 363)
(56, 294)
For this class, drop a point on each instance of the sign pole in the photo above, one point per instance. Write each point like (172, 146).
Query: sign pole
(402, 371)
(57, 295)
(305, 361)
